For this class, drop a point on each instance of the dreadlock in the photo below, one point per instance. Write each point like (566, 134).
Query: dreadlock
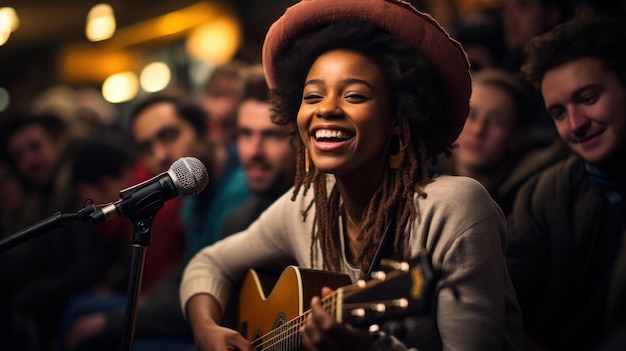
(416, 99)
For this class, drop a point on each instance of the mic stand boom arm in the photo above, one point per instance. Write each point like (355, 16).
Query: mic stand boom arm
(46, 225)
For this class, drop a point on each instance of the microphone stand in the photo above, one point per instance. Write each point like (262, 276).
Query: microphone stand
(141, 217)
(46, 225)
(142, 237)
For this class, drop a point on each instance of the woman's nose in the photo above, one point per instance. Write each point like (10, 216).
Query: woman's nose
(476, 125)
(328, 108)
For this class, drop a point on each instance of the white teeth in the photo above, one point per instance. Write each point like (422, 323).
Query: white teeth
(327, 133)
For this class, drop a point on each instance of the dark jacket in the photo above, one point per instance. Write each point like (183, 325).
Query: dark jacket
(563, 237)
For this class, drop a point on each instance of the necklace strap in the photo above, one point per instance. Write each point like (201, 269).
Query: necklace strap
(385, 247)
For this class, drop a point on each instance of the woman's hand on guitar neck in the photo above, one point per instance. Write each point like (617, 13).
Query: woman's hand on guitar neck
(322, 332)
(204, 314)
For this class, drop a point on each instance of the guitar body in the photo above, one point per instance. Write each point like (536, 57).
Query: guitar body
(272, 312)
(261, 311)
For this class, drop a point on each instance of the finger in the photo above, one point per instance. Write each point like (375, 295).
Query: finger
(239, 342)
(322, 319)
(326, 291)
(306, 337)
(333, 335)
(313, 338)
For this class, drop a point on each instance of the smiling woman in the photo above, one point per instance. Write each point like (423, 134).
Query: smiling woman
(373, 102)
(492, 140)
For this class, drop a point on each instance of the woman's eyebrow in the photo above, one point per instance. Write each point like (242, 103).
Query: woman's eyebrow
(346, 81)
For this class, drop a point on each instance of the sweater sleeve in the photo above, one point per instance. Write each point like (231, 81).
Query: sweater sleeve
(275, 239)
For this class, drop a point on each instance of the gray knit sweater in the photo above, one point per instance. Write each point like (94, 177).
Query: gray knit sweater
(474, 305)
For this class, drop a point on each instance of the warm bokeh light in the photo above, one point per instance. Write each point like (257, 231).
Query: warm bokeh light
(9, 22)
(169, 27)
(212, 33)
(5, 99)
(4, 37)
(155, 77)
(216, 41)
(100, 23)
(120, 87)
(83, 64)
(9, 19)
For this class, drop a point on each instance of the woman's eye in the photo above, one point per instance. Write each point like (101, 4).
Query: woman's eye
(497, 120)
(311, 97)
(356, 97)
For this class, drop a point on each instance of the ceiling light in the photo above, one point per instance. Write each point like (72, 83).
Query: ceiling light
(9, 22)
(120, 87)
(216, 41)
(155, 77)
(100, 22)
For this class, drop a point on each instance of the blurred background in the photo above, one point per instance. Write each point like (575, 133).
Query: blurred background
(124, 46)
(71, 71)
(122, 49)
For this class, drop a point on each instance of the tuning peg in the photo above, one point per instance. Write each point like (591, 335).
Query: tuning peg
(358, 313)
(379, 308)
(373, 329)
(388, 262)
(395, 265)
(369, 312)
(380, 275)
(400, 303)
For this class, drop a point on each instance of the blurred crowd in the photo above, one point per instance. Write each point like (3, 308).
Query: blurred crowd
(66, 289)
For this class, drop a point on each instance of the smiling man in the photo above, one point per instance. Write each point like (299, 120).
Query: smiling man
(565, 250)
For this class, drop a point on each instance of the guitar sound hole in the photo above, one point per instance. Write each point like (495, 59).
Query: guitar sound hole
(257, 343)
(280, 320)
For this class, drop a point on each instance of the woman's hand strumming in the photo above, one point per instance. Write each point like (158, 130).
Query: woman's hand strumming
(204, 312)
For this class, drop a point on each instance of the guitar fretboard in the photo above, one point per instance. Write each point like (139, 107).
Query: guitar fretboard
(287, 336)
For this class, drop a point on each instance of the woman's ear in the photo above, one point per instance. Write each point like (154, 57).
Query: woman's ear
(397, 130)
(395, 126)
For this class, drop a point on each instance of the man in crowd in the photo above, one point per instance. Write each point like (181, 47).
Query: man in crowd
(165, 128)
(565, 250)
(265, 152)
(220, 97)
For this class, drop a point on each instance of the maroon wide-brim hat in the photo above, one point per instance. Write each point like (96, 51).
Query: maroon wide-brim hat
(395, 16)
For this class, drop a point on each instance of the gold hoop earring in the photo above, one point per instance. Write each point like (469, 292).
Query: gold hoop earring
(396, 151)
(306, 160)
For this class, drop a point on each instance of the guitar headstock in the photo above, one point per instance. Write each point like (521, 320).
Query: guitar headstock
(400, 289)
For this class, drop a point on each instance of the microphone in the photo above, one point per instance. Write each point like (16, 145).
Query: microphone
(186, 176)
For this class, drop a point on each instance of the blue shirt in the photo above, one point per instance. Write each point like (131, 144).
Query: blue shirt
(204, 214)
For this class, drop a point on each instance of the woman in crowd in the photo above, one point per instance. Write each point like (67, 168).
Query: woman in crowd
(492, 140)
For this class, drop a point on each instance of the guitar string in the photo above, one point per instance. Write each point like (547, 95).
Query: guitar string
(292, 327)
(285, 331)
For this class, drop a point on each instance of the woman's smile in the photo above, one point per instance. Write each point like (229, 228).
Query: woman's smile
(330, 138)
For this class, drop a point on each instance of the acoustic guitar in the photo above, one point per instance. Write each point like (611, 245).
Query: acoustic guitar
(271, 321)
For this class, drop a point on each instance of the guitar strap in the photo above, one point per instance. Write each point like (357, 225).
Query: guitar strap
(385, 247)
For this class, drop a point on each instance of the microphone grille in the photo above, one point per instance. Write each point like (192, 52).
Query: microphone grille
(190, 174)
